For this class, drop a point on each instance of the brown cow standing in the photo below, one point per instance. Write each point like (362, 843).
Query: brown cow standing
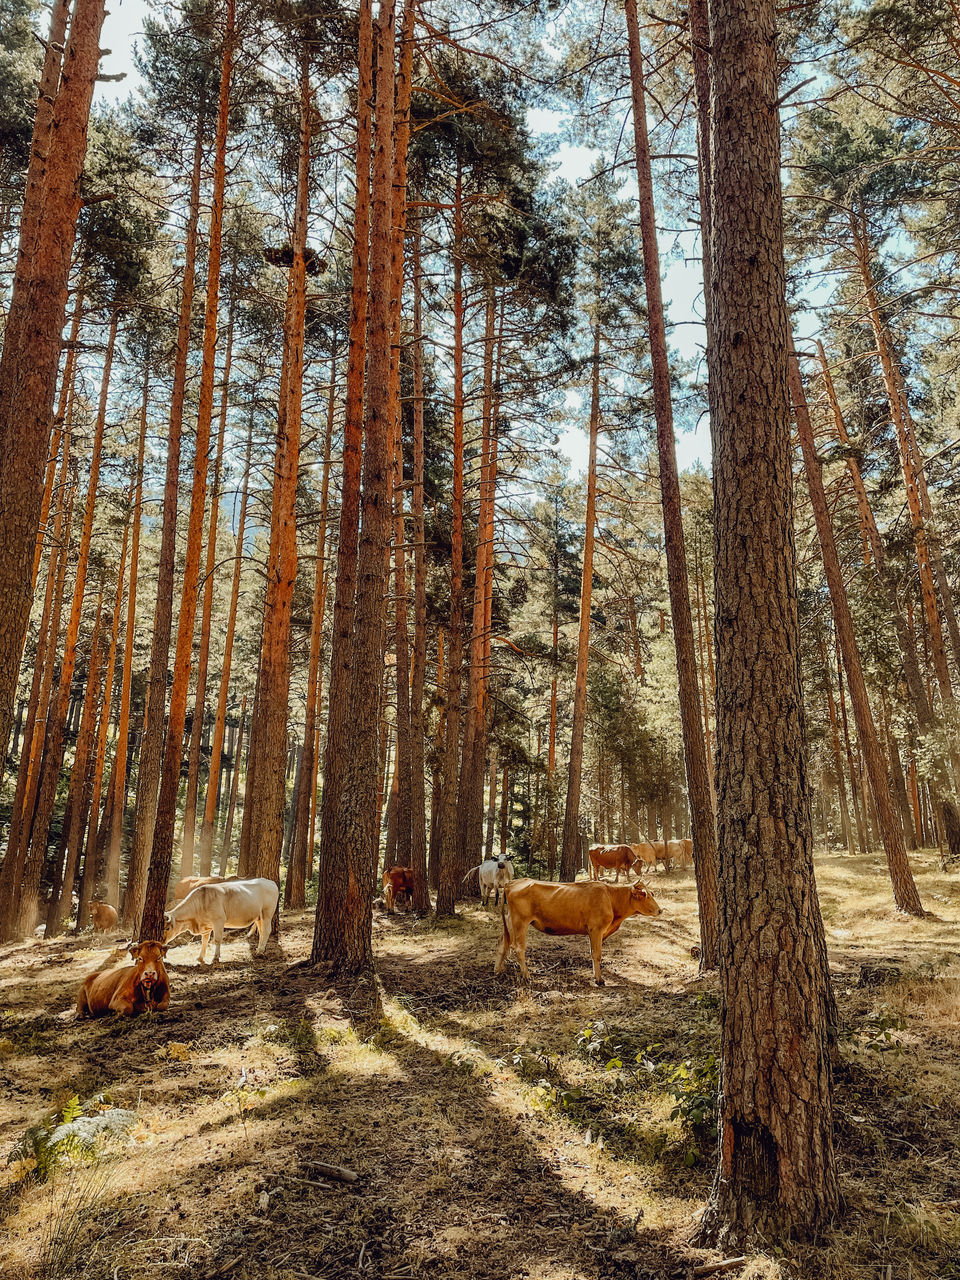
(133, 989)
(609, 857)
(104, 916)
(398, 887)
(597, 910)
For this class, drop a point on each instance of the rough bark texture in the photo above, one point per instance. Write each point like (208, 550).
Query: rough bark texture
(345, 938)
(776, 1171)
(34, 325)
(339, 726)
(691, 715)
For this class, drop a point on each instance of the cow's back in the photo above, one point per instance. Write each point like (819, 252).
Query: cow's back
(560, 908)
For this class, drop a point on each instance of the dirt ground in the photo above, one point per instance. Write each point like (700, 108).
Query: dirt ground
(498, 1132)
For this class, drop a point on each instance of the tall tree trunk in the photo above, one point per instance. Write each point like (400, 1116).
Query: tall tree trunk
(34, 326)
(234, 787)
(151, 922)
(919, 696)
(691, 715)
(345, 937)
(570, 853)
(449, 863)
(219, 727)
(269, 731)
(151, 746)
(891, 833)
(49, 772)
(111, 886)
(777, 1167)
(79, 779)
(418, 796)
(845, 827)
(295, 888)
(203, 655)
(327, 928)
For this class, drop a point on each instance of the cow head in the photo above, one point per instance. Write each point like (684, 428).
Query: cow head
(643, 901)
(149, 958)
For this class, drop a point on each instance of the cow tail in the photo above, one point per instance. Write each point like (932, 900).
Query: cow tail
(471, 871)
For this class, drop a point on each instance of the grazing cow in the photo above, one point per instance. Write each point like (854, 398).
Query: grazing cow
(398, 888)
(660, 853)
(675, 854)
(617, 857)
(189, 883)
(644, 856)
(494, 874)
(686, 854)
(104, 916)
(133, 989)
(233, 904)
(596, 910)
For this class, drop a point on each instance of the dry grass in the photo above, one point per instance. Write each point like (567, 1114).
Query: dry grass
(490, 1144)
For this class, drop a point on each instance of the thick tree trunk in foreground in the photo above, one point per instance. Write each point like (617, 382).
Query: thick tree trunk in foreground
(777, 1168)
(570, 851)
(345, 938)
(691, 715)
(34, 327)
(891, 833)
(339, 728)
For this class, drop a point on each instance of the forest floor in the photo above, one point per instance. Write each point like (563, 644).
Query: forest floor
(498, 1132)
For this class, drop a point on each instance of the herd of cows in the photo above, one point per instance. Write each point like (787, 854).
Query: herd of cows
(205, 906)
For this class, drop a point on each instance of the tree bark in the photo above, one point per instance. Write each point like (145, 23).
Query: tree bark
(777, 1168)
(570, 852)
(34, 325)
(151, 922)
(891, 833)
(328, 927)
(691, 714)
(151, 745)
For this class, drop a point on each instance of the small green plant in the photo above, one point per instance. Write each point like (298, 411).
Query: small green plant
(694, 1084)
(70, 1136)
(877, 1033)
(243, 1098)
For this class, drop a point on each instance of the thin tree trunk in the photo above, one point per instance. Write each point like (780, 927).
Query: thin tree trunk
(691, 716)
(570, 854)
(151, 746)
(111, 886)
(151, 922)
(269, 730)
(234, 787)
(891, 833)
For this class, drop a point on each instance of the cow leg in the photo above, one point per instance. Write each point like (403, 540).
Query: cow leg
(596, 946)
(204, 939)
(264, 926)
(520, 947)
(83, 1005)
(218, 938)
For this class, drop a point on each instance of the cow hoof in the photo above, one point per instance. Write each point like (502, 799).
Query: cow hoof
(600, 982)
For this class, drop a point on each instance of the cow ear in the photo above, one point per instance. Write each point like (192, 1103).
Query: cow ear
(134, 948)
(164, 949)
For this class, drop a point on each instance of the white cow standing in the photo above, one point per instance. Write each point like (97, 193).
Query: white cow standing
(495, 874)
(235, 904)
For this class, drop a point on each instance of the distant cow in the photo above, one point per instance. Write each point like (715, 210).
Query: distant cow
(104, 916)
(398, 888)
(645, 856)
(189, 883)
(233, 904)
(685, 857)
(132, 989)
(493, 874)
(611, 857)
(596, 910)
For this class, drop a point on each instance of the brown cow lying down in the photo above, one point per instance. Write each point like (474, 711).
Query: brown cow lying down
(611, 857)
(133, 989)
(596, 910)
(104, 916)
(398, 887)
(189, 883)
